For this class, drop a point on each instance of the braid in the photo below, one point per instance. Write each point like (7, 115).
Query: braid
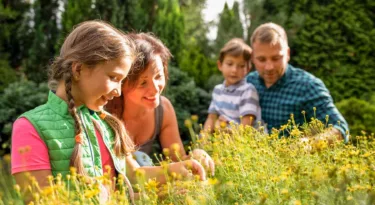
(122, 143)
(76, 158)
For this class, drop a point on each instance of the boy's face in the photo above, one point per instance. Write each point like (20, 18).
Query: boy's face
(233, 68)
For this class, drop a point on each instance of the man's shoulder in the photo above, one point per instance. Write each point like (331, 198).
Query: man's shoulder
(253, 78)
(302, 76)
(252, 75)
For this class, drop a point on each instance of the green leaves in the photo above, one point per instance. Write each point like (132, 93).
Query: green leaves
(335, 44)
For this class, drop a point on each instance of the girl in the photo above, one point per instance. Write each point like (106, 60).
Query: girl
(141, 103)
(71, 129)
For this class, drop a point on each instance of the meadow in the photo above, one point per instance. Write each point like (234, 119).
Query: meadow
(251, 168)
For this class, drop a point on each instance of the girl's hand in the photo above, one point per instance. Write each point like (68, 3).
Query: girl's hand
(188, 168)
(204, 159)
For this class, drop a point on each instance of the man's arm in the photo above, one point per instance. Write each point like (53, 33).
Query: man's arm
(320, 102)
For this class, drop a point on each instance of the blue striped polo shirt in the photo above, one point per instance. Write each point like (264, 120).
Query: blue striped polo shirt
(234, 101)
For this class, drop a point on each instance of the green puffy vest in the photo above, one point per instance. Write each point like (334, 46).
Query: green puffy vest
(55, 126)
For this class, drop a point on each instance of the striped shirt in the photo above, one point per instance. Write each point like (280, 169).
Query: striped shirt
(234, 101)
(296, 91)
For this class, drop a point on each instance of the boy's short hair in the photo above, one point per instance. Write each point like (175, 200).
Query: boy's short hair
(269, 33)
(236, 47)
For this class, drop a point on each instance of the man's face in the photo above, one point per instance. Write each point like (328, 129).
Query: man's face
(270, 61)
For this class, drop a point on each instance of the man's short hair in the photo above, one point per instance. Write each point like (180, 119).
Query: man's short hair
(269, 33)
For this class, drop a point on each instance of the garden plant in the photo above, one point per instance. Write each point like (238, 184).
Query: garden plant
(251, 168)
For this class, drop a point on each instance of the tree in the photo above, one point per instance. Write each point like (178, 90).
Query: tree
(229, 26)
(44, 33)
(196, 64)
(12, 38)
(169, 27)
(263, 11)
(195, 58)
(195, 27)
(112, 11)
(74, 13)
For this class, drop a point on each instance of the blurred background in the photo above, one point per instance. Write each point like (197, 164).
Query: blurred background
(333, 39)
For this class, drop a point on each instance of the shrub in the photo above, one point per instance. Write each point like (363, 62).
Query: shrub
(7, 75)
(359, 114)
(16, 99)
(336, 42)
(186, 97)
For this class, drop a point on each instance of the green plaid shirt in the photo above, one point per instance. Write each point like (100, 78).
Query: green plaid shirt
(295, 91)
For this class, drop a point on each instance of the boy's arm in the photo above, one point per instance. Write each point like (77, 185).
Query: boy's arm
(249, 106)
(210, 122)
(248, 120)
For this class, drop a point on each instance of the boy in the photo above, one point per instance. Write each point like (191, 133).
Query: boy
(234, 100)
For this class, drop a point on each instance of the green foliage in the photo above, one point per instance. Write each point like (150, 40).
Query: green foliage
(277, 11)
(336, 42)
(169, 26)
(112, 11)
(141, 15)
(7, 75)
(16, 99)
(12, 37)
(186, 97)
(44, 38)
(195, 27)
(195, 58)
(359, 114)
(229, 26)
(74, 13)
(196, 64)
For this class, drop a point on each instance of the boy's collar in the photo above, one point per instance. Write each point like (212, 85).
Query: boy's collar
(233, 87)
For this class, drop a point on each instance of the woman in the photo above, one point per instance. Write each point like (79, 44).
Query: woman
(149, 117)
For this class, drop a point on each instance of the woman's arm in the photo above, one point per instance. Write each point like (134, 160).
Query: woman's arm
(184, 168)
(169, 134)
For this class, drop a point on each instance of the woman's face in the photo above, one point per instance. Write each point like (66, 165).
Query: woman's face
(146, 91)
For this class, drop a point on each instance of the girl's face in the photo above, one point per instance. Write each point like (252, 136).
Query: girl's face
(149, 86)
(94, 87)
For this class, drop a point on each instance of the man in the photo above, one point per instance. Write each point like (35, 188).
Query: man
(285, 90)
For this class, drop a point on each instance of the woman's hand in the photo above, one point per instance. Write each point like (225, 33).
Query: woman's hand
(188, 168)
(204, 159)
